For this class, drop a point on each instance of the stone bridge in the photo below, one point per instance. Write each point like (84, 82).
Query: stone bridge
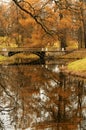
(13, 51)
(41, 52)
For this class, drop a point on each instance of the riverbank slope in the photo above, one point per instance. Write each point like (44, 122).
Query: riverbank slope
(77, 67)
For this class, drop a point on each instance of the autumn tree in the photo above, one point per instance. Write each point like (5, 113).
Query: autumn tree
(9, 23)
(56, 20)
(4, 22)
(55, 17)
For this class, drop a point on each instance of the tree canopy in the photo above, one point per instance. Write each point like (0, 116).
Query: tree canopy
(55, 19)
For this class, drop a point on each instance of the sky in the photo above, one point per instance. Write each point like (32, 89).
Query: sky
(4, 1)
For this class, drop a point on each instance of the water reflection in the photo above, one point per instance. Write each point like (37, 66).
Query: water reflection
(40, 97)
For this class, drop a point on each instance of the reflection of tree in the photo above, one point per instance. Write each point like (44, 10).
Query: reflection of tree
(9, 84)
(64, 104)
(35, 96)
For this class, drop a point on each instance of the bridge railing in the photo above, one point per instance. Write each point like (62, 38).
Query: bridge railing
(31, 49)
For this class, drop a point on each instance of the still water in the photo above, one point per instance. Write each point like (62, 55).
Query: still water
(40, 97)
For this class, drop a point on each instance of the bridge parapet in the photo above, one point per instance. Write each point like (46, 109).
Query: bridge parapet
(12, 51)
(21, 49)
(41, 52)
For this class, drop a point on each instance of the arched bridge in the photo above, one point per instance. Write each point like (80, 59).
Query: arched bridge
(12, 51)
(41, 52)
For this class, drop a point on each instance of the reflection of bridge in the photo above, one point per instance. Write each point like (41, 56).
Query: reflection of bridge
(38, 51)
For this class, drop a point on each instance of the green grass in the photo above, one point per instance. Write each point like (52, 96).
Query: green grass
(14, 58)
(79, 65)
(2, 58)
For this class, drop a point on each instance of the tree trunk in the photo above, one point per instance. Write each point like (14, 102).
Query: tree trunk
(81, 38)
(82, 31)
(63, 43)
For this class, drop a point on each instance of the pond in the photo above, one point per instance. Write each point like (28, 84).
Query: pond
(41, 97)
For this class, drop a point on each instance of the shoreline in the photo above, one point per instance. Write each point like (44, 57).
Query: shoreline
(77, 55)
(80, 75)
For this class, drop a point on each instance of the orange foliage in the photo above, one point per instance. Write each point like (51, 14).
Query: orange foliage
(26, 22)
(72, 127)
(53, 20)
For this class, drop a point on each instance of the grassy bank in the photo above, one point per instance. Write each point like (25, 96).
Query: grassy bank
(77, 67)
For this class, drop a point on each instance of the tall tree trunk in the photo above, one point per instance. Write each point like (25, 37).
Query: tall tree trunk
(82, 30)
(63, 43)
(81, 38)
